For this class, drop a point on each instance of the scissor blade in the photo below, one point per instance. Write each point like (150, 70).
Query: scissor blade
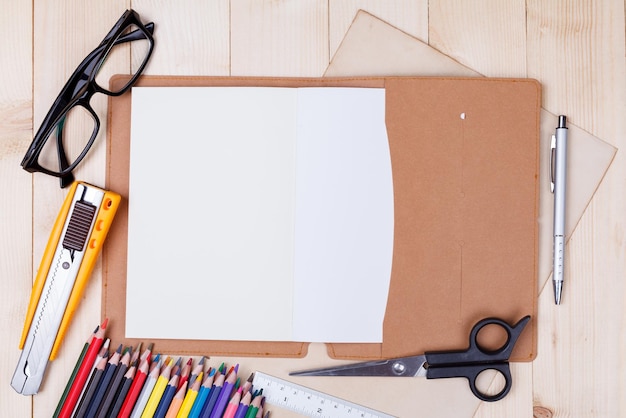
(404, 366)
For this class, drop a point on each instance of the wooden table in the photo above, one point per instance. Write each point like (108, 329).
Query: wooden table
(576, 49)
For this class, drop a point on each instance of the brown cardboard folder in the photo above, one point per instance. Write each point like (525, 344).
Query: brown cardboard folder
(464, 154)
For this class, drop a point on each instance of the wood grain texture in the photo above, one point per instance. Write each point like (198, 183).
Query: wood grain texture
(279, 38)
(576, 49)
(488, 36)
(193, 39)
(16, 192)
(410, 17)
(64, 33)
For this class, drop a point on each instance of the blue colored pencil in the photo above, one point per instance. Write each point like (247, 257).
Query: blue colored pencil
(109, 372)
(166, 398)
(203, 395)
(215, 393)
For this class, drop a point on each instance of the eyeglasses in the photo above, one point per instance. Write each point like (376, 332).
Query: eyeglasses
(62, 140)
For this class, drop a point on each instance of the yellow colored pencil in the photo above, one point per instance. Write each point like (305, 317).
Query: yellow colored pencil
(190, 398)
(157, 391)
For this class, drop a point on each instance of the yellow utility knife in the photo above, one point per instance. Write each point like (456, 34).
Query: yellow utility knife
(71, 252)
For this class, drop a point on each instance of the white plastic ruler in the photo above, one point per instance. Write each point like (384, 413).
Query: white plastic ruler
(309, 402)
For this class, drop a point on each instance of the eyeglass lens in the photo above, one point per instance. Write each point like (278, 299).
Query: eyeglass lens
(116, 61)
(72, 135)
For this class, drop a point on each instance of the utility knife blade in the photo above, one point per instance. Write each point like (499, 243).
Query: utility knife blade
(75, 241)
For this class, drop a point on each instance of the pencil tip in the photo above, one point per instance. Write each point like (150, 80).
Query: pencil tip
(105, 323)
(119, 349)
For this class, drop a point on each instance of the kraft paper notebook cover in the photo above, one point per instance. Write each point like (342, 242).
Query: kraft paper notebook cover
(464, 155)
(372, 47)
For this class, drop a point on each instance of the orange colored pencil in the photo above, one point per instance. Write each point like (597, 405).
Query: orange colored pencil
(177, 402)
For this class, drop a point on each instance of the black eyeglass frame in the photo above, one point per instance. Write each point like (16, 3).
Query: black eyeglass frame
(78, 91)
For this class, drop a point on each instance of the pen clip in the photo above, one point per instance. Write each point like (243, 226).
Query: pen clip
(552, 161)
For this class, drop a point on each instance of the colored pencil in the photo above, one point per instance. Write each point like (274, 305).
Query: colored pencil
(90, 389)
(83, 372)
(135, 389)
(254, 405)
(105, 381)
(196, 371)
(103, 354)
(190, 398)
(244, 405)
(79, 361)
(213, 396)
(247, 386)
(177, 402)
(185, 372)
(225, 393)
(168, 396)
(203, 394)
(113, 389)
(233, 404)
(125, 385)
(146, 391)
(259, 413)
(157, 391)
(147, 354)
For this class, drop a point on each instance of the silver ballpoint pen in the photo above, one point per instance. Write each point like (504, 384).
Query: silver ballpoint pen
(558, 170)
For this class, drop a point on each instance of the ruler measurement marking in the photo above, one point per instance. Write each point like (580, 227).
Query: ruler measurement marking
(309, 402)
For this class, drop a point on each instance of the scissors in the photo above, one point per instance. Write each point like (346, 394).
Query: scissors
(467, 363)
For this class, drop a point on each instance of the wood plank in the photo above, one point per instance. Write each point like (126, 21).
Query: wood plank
(16, 189)
(489, 37)
(64, 33)
(409, 16)
(577, 51)
(190, 39)
(279, 38)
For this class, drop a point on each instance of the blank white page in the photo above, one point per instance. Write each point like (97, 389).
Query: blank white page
(344, 216)
(214, 207)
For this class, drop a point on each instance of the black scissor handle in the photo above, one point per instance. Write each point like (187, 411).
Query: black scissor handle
(471, 362)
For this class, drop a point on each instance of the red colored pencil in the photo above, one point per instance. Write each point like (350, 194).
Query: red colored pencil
(83, 372)
(185, 372)
(135, 389)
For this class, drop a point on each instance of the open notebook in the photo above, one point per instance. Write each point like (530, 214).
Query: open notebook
(259, 201)
(464, 163)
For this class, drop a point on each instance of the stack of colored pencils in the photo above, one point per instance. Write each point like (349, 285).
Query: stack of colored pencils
(135, 383)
